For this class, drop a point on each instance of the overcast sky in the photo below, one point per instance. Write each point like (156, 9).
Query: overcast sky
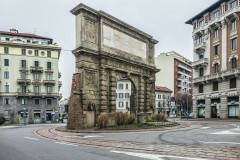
(163, 19)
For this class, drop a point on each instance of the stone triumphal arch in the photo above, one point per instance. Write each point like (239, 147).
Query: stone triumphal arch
(108, 50)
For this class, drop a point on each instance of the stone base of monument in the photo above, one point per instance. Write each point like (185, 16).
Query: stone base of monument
(142, 117)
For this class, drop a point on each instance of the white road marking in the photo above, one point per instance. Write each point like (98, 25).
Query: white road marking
(205, 127)
(30, 138)
(83, 136)
(5, 127)
(220, 142)
(155, 156)
(69, 144)
(225, 132)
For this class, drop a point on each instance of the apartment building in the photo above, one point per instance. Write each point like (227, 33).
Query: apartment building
(175, 72)
(123, 95)
(163, 101)
(29, 77)
(216, 63)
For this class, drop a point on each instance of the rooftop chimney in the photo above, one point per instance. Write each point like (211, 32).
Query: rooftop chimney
(14, 30)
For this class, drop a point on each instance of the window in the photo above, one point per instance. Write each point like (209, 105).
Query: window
(201, 23)
(28, 41)
(216, 14)
(6, 75)
(234, 44)
(49, 101)
(49, 65)
(49, 89)
(163, 96)
(49, 54)
(120, 104)
(233, 4)
(6, 50)
(36, 89)
(35, 42)
(24, 89)
(7, 88)
(216, 50)
(6, 101)
(126, 86)
(126, 104)
(36, 63)
(23, 75)
(23, 101)
(49, 76)
(36, 52)
(127, 95)
(200, 39)
(6, 62)
(233, 83)
(234, 63)
(23, 64)
(36, 101)
(234, 25)
(36, 76)
(201, 72)
(120, 86)
(215, 86)
(216, 34)
(7, 39)
(201, 55)
(24, 51)
(120, 95)
(200, 88)
(216, 67)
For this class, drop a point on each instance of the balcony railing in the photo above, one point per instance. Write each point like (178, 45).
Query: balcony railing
(200, 46)
(36, 69)
(20, 81)
(201, 62)
(49, 70)
(52, 82)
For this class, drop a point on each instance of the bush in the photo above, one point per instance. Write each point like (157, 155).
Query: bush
(102, 121)
(2, 120)
(159, 118)
(123, 118)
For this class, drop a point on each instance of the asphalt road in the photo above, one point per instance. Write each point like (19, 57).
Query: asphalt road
(19, 143)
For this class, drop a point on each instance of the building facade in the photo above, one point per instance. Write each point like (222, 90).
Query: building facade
(175, 72)
(29, 77)
(216, 63)
(163, 102)
(123, 94)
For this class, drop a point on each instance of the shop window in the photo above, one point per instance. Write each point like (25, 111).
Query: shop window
(36, 101)
(234, 63)
(49, 101)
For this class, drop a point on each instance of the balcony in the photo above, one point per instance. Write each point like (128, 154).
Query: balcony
(23, 94)
(60, 83)
(22, 81)
(36, 81)
(202, 62)
(200, 46)
(185, 67)
(231, 72)
(49, 70)
(47, 82)
(22, 69)
(52, 95)
(36, 69)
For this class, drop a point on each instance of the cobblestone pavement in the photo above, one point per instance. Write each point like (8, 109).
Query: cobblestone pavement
(220, 152)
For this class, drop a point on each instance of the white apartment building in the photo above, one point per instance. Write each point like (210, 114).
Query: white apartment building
(123, 94)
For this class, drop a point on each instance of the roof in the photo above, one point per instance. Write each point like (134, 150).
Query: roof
(162, 89)
(210, 8)
(29, 35)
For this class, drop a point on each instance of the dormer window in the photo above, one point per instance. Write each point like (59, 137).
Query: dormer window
(233, 4)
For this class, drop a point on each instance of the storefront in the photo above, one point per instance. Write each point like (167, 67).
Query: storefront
(201, 108)
(233, 107)
(215, 108)
(49, 115)
(23, 116)
(37, 116)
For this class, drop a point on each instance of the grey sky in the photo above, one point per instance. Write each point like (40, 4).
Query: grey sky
(163, 19)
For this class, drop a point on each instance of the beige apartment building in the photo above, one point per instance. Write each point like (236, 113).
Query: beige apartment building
(29, 77)
(216, 63)
(175, 72)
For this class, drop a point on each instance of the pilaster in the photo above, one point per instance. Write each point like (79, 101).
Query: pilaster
(224, 46)
(103, 90)
(223, 108)
(141, 95)
(112, 90)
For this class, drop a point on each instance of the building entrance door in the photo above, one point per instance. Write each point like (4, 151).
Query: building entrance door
(214, 112)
